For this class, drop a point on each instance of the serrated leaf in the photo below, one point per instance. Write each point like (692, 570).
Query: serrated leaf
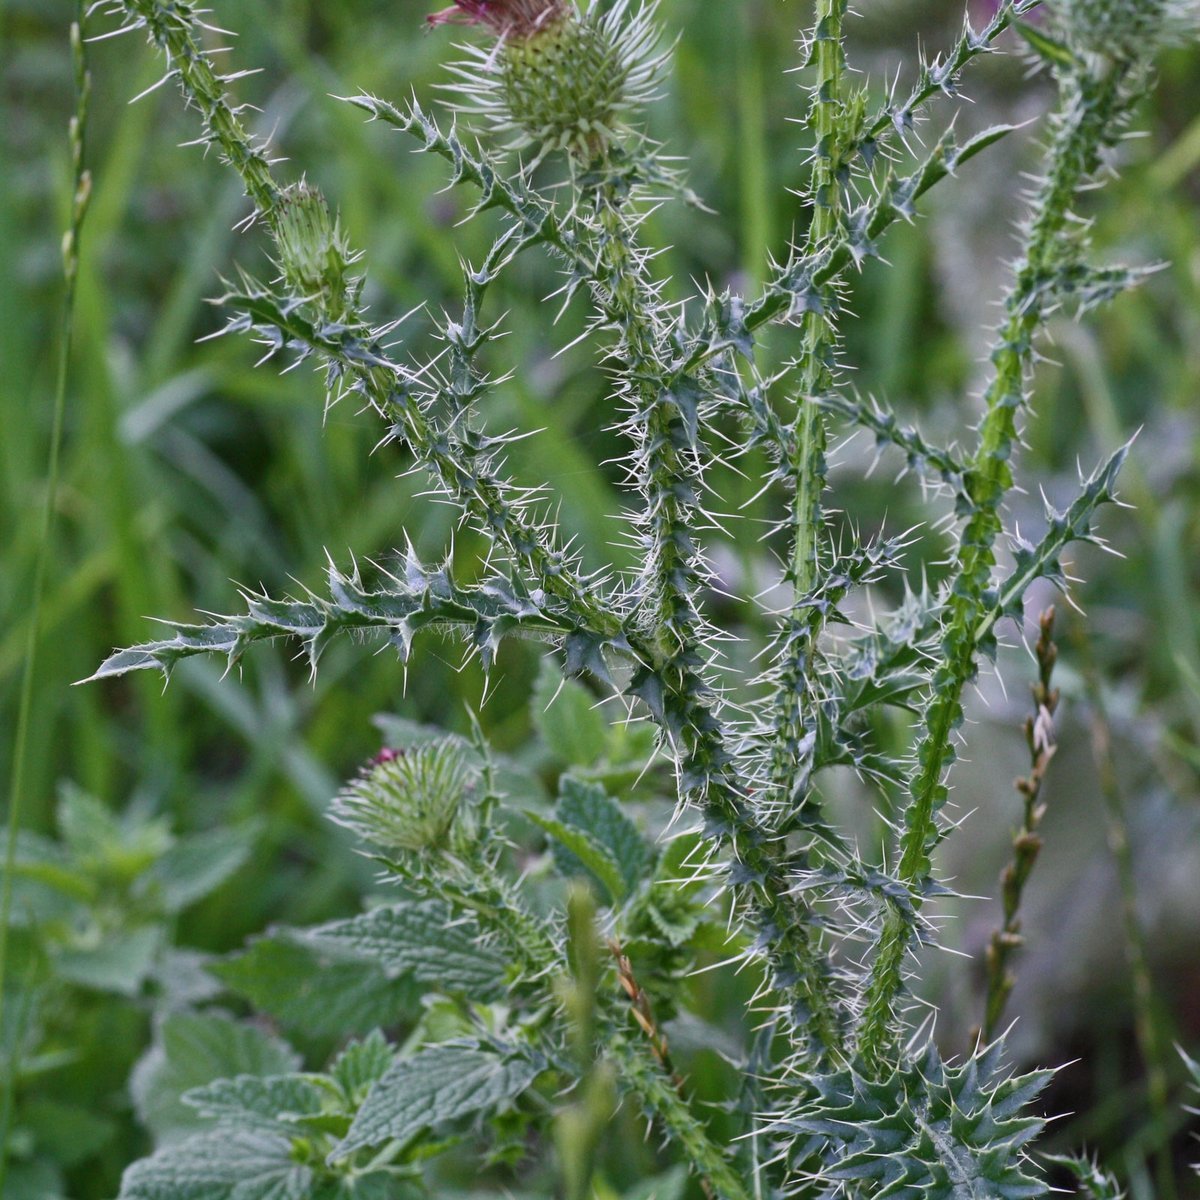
(268, 1103)
(85, 824)
(229, 1165)
(441, 1083)
(588, 807)
(360, 1064)
(314, 988)
(577, 854)
(422, 939)
(193, 1049)
(565, 714)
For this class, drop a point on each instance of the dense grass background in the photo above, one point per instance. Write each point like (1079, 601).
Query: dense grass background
(187, 468)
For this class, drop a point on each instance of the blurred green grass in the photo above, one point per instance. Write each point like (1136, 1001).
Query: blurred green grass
(187, 467)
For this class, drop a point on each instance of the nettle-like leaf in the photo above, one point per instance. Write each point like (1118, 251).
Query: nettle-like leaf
(359, 1065)
(270, 1103)
(594, 838)
(438, 1084)
(228, 1165)
(120, 961)
(423, 940)
(196, 865)
(316, 986)
(927, 1129)
(194, 1049)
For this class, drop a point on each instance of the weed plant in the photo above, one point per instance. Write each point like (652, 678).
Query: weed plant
(538, 990)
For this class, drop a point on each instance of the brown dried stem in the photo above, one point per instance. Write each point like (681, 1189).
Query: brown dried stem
(1027, 843)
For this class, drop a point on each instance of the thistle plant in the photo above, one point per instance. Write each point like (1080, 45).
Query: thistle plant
(530, 1030)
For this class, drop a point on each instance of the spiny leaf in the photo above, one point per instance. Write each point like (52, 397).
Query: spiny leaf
(1048, 49)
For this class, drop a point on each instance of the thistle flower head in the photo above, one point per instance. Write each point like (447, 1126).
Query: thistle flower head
(410, 802)
(556, 77)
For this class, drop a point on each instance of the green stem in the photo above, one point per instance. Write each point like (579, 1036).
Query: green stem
(79, 203)
(790, 761)
(661, 1100)
(672, 678)
(1090, 108)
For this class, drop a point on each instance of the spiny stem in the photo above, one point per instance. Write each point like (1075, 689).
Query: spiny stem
(81, 194)
(672, 680)
(791, 757)
(173, 29)
(1090, 108)
(942, 77)
(661, 1100)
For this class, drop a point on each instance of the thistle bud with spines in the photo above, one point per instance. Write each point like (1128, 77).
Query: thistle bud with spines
(557, 77)
(413, 802)
(314, 256)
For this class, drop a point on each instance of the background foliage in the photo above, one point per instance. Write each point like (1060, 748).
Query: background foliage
(185, 469)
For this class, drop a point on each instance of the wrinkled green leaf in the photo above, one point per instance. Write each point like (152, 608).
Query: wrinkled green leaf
(225, 1165)
(269, 1103)
(197, 865)
(360, 1064)
(422, 939)
(439, 1084)
(191, 1050)
(121, 963)
(303, 985)
(577, 854)
(595, 837)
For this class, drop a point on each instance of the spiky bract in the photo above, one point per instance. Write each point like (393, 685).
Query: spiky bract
(409, 802)
(571, 81)
(314, 255)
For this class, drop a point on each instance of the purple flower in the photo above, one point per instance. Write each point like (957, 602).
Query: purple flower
(519, 19)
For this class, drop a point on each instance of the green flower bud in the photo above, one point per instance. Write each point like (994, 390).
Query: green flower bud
(559, 78)
(410, 802)
(314, 255)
